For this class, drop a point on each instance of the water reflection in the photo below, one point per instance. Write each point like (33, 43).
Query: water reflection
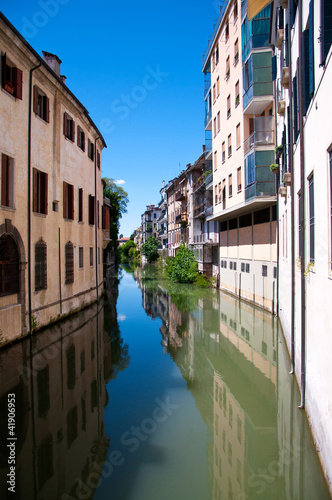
(236, 366)
(59, 379)
(200, 405)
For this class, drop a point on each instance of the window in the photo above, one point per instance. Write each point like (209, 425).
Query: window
(40, 265)
(230, 185)
(91, 150)
(227, 32)
(223, 152)
(228, 70)
(98, 159)
(40, 190)
(218, 122)
(229, 106)
(80, 205)
(80, 257)
(68, 127)
(247, 268)
(215, 160)
(214, 127)
(80, 138)
(238, 136)
(12, 78)
(219, 192)
(236, 51)
(243, 267)
(214, 92)
(69, 263)
(218, 86)
(41, 104)
(68, 201)
(235, 12)
(311, 220)
(264, 271)
(229, 141)
(239, 180)
(325, 28)
(91, 256)
(216, 194)
(217, 55)
(98, 218)
(224, 194)
(237, 93)
(7, 181)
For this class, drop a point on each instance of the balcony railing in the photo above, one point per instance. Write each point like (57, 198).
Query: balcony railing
(208, 117)
(206, 238)
(180, 195)
(258, 139)
(208, 147)
(199, 183)
(209, 211)
(199, 210)
(208, 180)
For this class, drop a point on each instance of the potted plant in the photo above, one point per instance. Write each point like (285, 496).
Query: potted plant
(278, 151)
(274, 168)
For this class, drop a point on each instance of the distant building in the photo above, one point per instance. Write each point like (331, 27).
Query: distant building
(122, 241)
(177, 208)
(52, 218)
(149, 222)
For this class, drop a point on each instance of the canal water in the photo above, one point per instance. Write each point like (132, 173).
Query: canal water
(164, 392)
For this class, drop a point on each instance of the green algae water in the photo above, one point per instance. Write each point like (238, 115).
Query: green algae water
(164, 392)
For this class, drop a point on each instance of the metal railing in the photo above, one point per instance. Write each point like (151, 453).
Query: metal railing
(223, 7)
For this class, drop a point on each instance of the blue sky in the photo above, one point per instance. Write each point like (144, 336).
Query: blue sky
(136, 67)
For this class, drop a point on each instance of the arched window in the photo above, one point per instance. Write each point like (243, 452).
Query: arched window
(40, 265)
(69, 263)
(9, 266)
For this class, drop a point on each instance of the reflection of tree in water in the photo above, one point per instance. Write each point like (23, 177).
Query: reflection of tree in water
(119, 351)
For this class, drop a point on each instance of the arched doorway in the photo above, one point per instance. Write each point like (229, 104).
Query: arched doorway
(9, 266)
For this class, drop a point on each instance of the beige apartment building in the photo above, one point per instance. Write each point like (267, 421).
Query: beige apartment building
(239, 126)
(177, 209)
(51, 214)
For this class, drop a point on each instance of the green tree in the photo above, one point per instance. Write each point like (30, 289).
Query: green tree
(126, 247)
(119, 200)
(183, 268)
(150, 249)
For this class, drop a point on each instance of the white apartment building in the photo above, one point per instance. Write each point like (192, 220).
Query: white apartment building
(302, 34)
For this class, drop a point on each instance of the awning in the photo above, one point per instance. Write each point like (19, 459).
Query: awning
(255, 6)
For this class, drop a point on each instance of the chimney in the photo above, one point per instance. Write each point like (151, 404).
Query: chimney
(63, 78)
(53, 62)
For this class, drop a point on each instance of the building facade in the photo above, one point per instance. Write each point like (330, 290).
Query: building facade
(149, 222)
(52, 214)
(239, 125)
(177, 209)
(302, 35)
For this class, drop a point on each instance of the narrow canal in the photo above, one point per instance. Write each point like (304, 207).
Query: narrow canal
(168, 393)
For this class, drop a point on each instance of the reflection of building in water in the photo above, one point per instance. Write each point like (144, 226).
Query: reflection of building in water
(58, 381)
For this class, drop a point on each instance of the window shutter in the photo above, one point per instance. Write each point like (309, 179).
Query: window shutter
(80, 205)
(305, 71)
(47, 109)
(45, 177)
(65, 124)
(83, 142)
(35, 99)
(98, 212)
(274, 67)
(19, 83)
(70, 188)
(65, 190)
(326, 28)
(4, 180)
(78, 135)
(35, 192)
(3, 70)
(73, 131)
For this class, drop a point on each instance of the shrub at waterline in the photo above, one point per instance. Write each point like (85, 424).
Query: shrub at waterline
(150, 249)
(183, 268)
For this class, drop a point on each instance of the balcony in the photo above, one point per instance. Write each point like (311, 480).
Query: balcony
(209, 211)
(180, 195)
(199, 210)
(207, 82)
(199, 183)
(259, 180)
(181, 218)
(208, 181)
(208, 119)
(263, 135)
(223, 7)
(258, 84)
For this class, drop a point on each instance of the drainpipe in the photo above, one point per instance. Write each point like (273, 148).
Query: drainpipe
(96, 219)
(303, 238)
(29, 196)
(291, 167)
